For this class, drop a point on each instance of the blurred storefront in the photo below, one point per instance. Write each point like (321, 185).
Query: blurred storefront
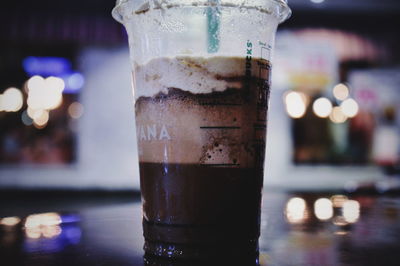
(340, 92)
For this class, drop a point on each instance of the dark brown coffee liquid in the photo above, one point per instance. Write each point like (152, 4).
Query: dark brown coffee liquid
(205, 207)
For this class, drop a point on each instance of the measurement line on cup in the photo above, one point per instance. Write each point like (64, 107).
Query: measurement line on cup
(259, 126)
(220, 164)
(221, 104)
(219, 127)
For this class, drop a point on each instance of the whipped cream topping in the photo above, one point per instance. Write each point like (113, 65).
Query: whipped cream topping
(197, 75)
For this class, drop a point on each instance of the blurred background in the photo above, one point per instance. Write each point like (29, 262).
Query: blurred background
(67, 128)
(66, 109)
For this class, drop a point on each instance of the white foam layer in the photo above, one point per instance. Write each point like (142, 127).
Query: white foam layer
(195, 74)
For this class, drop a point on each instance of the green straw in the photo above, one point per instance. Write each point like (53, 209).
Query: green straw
(213, 23)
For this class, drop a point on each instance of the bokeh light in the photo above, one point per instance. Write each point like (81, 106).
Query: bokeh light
(44, 224)
(322, 107)
(338, 200)
(51, 231)
(34, 113)
(75, 110)
(295, 104)
(43, 219)
(41, 118)
(337, 116)
(341, 233)
(340, 221)
(11, 100)
(341, 92)
(75, 81)
(26, 119)
(33, 233)
(45, 231)
(296, 210)
(323, 209)
(351, 211)
(33, 221)
(10, 221)
(349, 107)
(35, 82)
(55, 83)
(45, 93)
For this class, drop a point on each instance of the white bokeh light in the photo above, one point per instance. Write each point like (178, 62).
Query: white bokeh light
(43, 225)
(341, 92)
(35, 82)
(43, 219)
(322, 107)
(323, 209)
(55, 83)
(295, 104)
(32, 113)
(351, 211)
(338, 200)
(11, 100)
(296, 210)
(349, 107)
(10, 221)
(337, 116)
(45, 93)
(42, 118)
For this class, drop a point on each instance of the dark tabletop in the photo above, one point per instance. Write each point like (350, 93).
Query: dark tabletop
(106, 229)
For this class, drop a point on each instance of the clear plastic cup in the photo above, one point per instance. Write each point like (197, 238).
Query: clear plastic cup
(201, 80)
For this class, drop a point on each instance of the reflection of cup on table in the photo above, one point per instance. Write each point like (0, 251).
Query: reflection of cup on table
(201, 83)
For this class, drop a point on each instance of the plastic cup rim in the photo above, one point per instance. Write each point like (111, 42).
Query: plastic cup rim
(284, 14)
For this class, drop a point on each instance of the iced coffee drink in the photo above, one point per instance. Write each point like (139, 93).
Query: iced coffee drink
(201, 72)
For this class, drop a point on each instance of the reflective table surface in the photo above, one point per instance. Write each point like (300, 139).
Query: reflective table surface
(105, 229)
